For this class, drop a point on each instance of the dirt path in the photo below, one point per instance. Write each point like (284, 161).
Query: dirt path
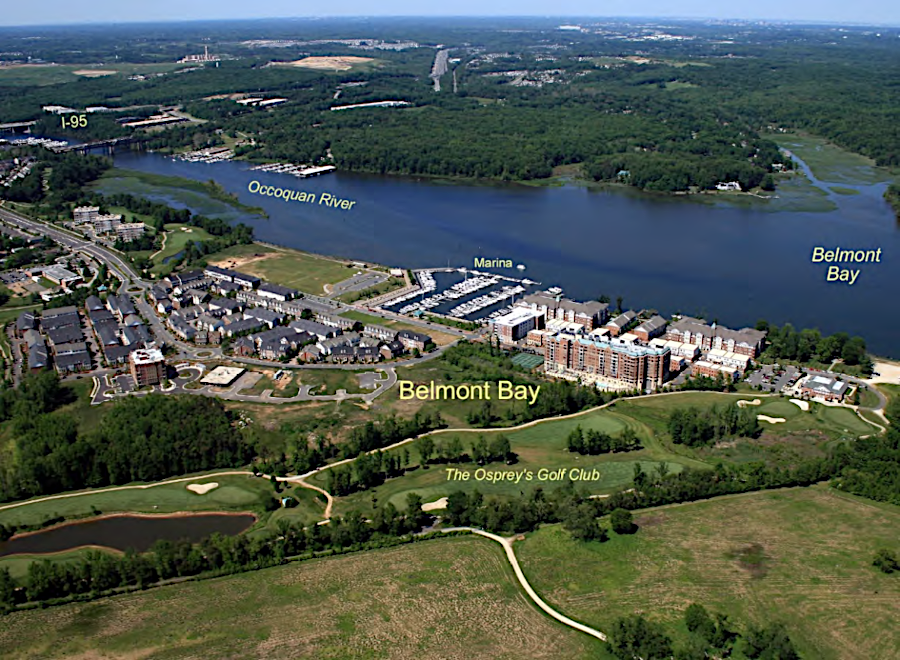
(520, 576)
(328, 498)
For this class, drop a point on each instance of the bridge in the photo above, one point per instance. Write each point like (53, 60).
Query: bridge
(111, 143)
(17, 126)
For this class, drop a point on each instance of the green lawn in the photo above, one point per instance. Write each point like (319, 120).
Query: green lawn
(815, 576)
(802, 435)
(234, 493)
(177, 237)
(540, 446)
(306, 272)
(447, 598)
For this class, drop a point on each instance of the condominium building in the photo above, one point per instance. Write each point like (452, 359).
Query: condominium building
(148, 366)
(86, 214)
(610, 363)
(517, 324)
(590, 314)
(746, 341)
(128, 231)
(104, 224)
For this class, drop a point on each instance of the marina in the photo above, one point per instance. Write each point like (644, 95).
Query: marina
(302, 171)
(209, 155)
(463, 299)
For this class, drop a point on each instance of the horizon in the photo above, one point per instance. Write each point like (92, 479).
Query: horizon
(873, 13)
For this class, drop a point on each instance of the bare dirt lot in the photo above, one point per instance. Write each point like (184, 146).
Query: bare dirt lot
(337, 63)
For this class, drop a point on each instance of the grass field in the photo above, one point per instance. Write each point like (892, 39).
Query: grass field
(453, 599)
(306, 272)
(800, 556)
(176, 239)
(329, 381)
(235, 493)
(53, 74)
(542, 445)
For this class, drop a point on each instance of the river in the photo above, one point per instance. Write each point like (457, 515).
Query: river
(727, 263)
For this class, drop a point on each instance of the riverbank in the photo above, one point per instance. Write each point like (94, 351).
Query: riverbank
(132, 181)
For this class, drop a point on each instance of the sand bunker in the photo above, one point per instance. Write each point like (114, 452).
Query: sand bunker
(803, 405)
(743, 403)
(202, 489)
(94, 73)
(771, 420)
(437, 504)
(339, 63)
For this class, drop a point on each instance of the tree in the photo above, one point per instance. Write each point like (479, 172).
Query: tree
(635, 637)
(582, 523)
(698, 621)
(770, 643)
(622, 521)
(7, 591)
(886, 561)
(426, 449)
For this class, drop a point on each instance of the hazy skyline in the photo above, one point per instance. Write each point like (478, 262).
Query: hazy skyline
(57, 12)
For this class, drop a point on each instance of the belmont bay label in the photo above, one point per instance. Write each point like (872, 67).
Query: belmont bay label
(502, 390)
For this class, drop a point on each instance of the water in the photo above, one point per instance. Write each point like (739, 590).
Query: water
(730, 264)
(127, 531)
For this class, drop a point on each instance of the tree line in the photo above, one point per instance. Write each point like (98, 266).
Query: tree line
(593, 442)
(700, 428)
(100, 573)
(710, 636)
(809, 344)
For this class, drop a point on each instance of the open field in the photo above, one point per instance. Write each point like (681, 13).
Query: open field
(541, 445)
(331, 63)
(329, 381)
(306, 272)
(52, 74)
(453, 598)
(811, 570)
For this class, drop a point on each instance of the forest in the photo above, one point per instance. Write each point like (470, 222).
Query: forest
(136, 440)
(658, 115)
(808, 345)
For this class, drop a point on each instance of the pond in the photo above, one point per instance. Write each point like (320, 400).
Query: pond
(120, 532)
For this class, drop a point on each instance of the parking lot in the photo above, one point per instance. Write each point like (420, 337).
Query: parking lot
(774, 378)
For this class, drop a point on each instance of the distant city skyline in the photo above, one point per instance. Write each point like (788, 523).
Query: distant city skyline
(61, 12)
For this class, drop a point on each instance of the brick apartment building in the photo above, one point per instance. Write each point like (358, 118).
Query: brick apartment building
(148, 366)
(626, 365)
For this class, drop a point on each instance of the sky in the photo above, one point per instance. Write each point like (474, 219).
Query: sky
(55, 12)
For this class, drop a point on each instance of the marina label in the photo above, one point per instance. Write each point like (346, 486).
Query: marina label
(518, 476)
(289, 195)
(481, 262)
(506, 391)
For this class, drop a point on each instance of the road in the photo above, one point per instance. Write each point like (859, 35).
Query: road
(130, 280)
(520, 576)
(439, 68)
